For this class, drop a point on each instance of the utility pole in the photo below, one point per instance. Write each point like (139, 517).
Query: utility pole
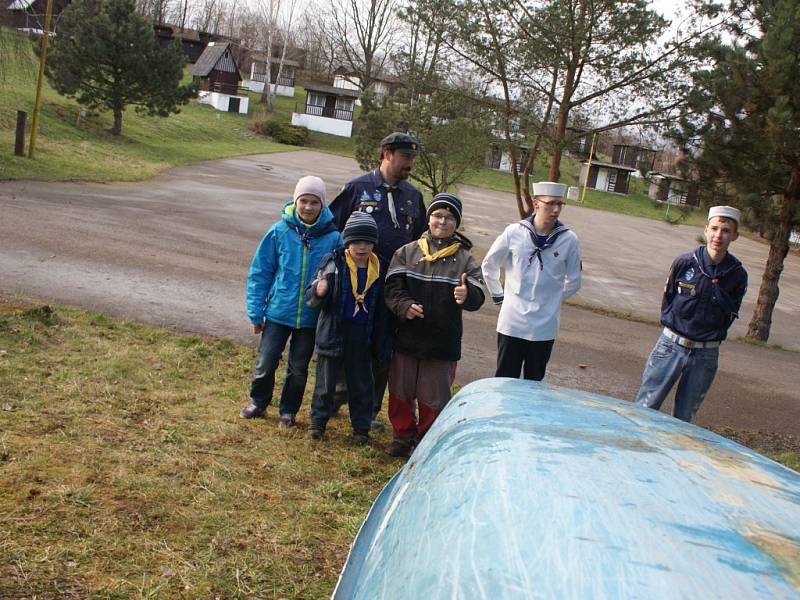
(588, 169)
(42, 56)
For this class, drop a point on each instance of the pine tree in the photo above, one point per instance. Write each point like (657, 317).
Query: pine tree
(107, 57)
(742, 127)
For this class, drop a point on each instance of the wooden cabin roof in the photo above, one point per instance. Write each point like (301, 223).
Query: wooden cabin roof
(215, 56)
(332, 91)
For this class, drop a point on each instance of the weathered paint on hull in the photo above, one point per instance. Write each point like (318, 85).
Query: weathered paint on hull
(524, 490)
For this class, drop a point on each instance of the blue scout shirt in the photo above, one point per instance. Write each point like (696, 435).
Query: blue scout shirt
(701, 300)
(368, 193)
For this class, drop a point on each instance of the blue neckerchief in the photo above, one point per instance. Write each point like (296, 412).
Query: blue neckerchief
(714, 273)
(541, 243)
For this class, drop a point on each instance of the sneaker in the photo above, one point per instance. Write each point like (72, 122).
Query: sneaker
(286, 420)
(377, 425)
(360, 438)
(252, 412)
(315, 432)
(399, 448)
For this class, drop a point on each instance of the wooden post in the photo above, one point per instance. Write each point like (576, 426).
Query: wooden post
(38, 103)
(19, 143)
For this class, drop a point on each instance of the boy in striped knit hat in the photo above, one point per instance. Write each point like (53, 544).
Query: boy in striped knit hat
(347, 287)
(542, 263)
(429, 283)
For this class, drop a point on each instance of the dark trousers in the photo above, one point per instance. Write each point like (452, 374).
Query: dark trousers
(270, 348)
(380, 376)
(356, 362)
(515, 355)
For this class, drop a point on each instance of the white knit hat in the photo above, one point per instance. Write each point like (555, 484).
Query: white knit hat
(310, 184)
(549, 188)
(724, 211)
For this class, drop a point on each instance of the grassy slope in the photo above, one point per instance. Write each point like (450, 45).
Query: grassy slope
(127, 472)
(82, 149)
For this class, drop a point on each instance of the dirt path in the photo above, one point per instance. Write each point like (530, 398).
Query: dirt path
(174, 251)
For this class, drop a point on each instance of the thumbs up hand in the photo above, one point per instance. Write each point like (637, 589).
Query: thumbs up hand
(460, 291)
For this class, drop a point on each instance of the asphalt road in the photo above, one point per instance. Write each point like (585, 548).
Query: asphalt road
(174, 251)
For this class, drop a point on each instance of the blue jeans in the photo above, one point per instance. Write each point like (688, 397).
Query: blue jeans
(273, 341)
(667, 363)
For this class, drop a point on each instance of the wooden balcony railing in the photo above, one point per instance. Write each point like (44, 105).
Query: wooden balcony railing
(331, 113)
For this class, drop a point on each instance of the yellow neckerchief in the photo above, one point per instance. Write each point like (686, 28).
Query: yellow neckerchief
(444, 252)
(373, 270)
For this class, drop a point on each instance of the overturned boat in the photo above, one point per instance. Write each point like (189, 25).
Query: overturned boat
(525, 490)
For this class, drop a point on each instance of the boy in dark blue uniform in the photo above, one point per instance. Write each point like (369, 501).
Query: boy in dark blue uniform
(701, 300)
(347, 287)
(399, 212)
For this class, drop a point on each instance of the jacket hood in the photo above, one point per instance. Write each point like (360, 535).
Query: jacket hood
(289, 215)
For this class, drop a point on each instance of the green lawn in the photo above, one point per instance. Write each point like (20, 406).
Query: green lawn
(127, 472)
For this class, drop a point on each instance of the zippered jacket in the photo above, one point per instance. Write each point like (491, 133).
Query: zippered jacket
(284, 264)
(411, 280)
(701, 300)
(329, 339)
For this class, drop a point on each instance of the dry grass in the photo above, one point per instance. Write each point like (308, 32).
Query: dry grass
(127, 472)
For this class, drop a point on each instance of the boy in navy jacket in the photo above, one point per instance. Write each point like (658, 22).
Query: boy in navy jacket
(347, 287)
(701, 300)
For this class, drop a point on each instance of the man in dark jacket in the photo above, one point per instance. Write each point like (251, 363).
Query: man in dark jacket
(399, 212)
(702, 297)
(429, 283)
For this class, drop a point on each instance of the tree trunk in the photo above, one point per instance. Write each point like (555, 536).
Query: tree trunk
(116, 129)
(759, 326)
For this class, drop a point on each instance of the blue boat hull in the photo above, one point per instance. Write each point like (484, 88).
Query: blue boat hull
(524, 490)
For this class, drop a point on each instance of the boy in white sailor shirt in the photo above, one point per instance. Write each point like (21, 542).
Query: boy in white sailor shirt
(542, 263)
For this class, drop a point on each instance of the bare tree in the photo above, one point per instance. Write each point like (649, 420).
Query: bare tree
(362, 31)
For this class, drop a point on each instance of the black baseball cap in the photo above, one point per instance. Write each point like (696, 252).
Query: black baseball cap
(401, 141)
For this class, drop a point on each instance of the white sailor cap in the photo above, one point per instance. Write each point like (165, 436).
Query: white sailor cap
(549, 188)
(724, 211)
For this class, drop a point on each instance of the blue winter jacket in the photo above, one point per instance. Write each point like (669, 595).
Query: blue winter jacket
(284, 264)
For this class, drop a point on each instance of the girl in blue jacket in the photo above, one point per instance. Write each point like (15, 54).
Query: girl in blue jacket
(282, 267)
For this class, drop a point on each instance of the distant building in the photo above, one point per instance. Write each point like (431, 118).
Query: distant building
(382, 85)
(328, 109)
(606, 177)
(672, 189)
(193, 42)
(638, 157)
(581, 143)
(28, 15)
(218, 77)
(258, 75)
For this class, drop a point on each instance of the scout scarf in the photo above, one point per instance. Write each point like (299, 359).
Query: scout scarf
(538, 246)
(390, 203)
(373, 270)
(444, 252)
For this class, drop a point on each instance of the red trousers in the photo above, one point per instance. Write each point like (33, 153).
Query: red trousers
(414, 382)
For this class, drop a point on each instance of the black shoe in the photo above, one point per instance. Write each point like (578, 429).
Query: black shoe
(315, 432)
(360, 438)
(252, 412)
(399, 448)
